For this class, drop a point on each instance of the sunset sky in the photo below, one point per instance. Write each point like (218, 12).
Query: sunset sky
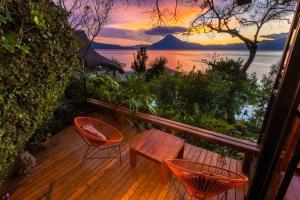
(133, 24)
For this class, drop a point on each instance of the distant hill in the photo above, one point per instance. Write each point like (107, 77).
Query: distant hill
(276, 44)
(97, 45)
(170, 42)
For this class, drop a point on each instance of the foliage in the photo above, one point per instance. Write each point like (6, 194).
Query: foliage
(132, 93)
(37, 55)
(231, 18)
(66, 109)
(200, 99)
(264, 95)
(88, 16)
(140, 60)
(26, 162)
(241, 92)
(157, 67)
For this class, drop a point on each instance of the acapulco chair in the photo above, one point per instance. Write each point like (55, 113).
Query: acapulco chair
(111, 137)
(204, 181)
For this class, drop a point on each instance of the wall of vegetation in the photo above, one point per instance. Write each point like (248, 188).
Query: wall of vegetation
(37, 55)
(216, 99)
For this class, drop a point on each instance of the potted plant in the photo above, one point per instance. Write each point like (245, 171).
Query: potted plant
(25, 163)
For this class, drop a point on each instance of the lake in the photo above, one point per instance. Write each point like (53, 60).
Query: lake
(190, 58)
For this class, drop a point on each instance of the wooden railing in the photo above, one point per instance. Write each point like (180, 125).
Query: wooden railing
(250, 148)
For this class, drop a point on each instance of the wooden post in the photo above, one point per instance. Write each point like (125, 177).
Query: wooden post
(248, 156)
(132, 157)
(164, 171)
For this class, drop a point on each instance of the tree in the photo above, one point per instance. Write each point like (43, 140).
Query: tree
(241, 92)
(89, 16)
(157, 67)
(37, 56)
(264, 94)
(230, 18)
(140, 60)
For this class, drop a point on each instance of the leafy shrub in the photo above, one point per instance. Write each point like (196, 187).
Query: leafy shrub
(37, 54)
(140, 60)
(200, 99)
(241, 91)
(264, 95)
(213, 100)
(157, 67)
(133, 93)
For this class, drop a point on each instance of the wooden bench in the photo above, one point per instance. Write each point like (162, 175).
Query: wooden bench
(250, 148)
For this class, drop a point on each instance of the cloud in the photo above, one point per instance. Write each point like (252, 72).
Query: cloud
(119, 33)
(165, 30)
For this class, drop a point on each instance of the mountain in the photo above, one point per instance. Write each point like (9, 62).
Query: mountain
(275, 36)
(98, 45)
(276, 44)
(170, 42)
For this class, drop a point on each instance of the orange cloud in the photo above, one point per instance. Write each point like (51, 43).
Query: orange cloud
(118, 41)
(138, 18)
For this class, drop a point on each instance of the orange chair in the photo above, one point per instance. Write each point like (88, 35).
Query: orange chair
(204, 181)
(99, 135)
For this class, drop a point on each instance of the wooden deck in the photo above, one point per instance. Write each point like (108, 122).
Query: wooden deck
(293, 190)
(58, 174)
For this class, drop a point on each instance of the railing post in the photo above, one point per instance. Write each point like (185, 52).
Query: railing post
(248, 156)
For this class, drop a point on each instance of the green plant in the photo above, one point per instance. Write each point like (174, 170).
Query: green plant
(241, 91)
(26, 162)
(157, 67)
(264, 94)
(133, 93)
(37, 54)
(140, 60)
(201, 99)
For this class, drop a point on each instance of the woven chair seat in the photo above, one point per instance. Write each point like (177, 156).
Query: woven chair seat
(113, 136)
(204, 181)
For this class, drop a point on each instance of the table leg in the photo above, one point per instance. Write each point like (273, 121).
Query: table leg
(180, 154)
(164, 171)
(132, 157)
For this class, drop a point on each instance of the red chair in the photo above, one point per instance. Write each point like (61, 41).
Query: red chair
(98, 134)
(204, 181)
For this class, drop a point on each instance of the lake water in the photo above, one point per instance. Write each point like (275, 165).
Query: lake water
(188, 59)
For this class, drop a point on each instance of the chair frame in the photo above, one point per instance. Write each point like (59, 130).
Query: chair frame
(111, 144)
(172, 178)
(87, 153)
(238, 181)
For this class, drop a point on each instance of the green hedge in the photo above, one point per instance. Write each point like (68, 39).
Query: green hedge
(37, 55)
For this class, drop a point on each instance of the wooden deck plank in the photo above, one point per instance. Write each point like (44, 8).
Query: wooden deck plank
(98, 169)
(102, 181)
(147, 184)
(110, 177)
(175, 185)
(158, 187)
(200, 158)
(182, 192)
(105, 179)
(232, 167)
(214, 162)
(240, 191)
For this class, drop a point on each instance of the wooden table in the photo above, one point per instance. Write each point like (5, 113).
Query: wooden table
(157, 146)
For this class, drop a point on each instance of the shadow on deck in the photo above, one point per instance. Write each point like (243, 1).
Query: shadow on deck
(58, 174)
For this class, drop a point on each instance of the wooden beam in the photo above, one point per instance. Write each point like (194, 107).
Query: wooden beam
(293, 157)
(211, 136)
(283, 109)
